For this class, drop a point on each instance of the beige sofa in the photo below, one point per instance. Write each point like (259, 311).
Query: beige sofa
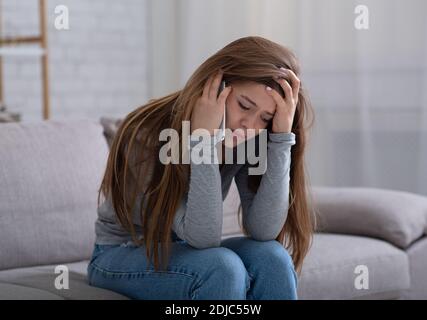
(50, 173)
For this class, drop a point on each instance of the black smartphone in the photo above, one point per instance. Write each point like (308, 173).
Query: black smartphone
(221, 87)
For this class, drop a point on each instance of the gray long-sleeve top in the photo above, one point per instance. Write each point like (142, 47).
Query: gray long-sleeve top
(199, 217)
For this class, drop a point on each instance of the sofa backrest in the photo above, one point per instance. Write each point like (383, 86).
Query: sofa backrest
(50, 173)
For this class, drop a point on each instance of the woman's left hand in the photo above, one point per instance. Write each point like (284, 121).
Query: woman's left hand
(285, 107)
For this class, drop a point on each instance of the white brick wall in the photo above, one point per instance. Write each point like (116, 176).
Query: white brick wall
(97, 68)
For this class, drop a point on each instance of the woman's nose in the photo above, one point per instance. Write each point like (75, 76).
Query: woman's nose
(249, 123)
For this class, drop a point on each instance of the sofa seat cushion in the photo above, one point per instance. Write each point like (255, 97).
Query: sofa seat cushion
(329, 270)
(328, 273)
(17, 292)
(39, 283)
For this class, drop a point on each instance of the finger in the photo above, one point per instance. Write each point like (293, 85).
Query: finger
(286, 87)
(213, 90)
(206, 87)
(223, 96)
(280, 103)
(295, 82)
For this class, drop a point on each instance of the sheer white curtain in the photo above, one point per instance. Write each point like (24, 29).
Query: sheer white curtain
(368, 87)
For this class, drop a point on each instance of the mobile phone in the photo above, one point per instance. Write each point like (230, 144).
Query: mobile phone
(222, 87)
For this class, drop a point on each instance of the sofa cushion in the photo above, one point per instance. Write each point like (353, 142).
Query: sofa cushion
(110, 126)
(39, 283)
(328, 273)
(329, 270)
(17, 292)
(50, 173)
(395, 216)
(417, 255)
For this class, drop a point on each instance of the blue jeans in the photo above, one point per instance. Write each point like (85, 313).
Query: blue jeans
(240, 269)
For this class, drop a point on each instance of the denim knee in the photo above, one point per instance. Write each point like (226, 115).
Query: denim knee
(227, 272)
(277, 257)
(228, 262)
(271, 252)
(271, 255)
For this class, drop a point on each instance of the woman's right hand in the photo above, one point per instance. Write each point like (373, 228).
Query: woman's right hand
(209, 109)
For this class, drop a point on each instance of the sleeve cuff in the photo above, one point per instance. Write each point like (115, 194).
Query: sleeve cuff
(288, 137)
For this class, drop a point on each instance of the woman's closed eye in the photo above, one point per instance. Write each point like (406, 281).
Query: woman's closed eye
(246, 108)
(242, 106)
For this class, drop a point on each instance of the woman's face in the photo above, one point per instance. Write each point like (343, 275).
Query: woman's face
(248, 106)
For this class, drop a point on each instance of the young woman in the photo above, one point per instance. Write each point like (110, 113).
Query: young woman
(174, 210)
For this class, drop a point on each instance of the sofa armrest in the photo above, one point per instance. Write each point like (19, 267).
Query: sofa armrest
(398, 217)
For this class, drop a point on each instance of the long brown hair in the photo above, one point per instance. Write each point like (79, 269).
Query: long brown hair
(246, 59)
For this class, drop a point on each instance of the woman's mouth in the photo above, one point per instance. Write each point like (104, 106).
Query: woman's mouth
(239, 133)
(236, 137)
